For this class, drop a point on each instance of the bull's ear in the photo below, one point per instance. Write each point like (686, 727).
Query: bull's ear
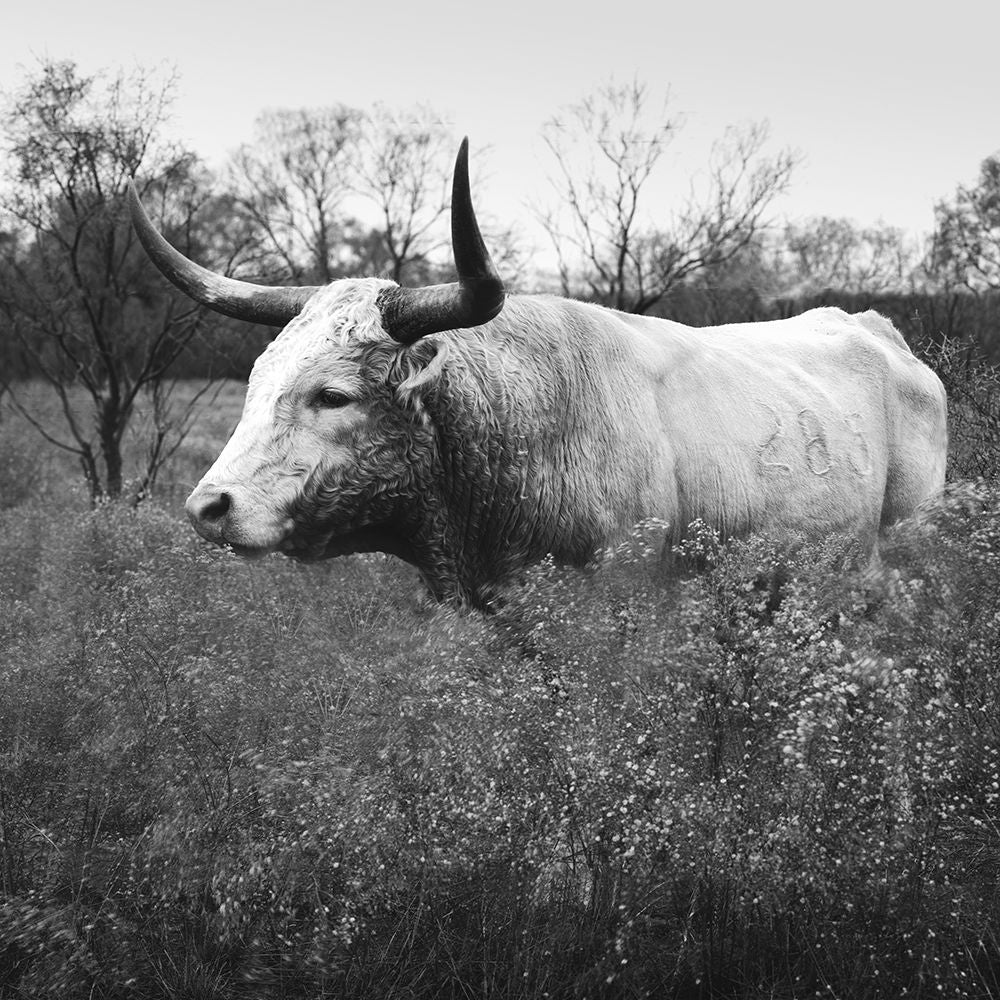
(416, 369)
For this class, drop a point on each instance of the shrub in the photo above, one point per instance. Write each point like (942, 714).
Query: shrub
(21, 473)
(776, 775)
(973, 387)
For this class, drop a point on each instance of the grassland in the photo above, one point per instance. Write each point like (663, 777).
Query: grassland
(222, 779)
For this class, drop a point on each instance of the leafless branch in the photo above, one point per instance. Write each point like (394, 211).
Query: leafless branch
(605, 151)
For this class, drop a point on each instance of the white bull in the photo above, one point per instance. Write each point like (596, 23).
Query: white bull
(471, 433)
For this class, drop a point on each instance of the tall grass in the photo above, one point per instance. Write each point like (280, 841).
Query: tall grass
(223, 779)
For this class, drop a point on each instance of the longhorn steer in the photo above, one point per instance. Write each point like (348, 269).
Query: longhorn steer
(471, 433)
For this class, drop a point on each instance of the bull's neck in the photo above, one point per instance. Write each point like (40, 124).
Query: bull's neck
(503, 491)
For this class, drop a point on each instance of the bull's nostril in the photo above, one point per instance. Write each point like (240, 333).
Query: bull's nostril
(216, 508)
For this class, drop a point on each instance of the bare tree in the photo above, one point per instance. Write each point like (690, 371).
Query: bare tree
(290, 184)
(77, 294)
(828, 253)
(404, 169)
(606, 150)
(331, 192)
(966, 244)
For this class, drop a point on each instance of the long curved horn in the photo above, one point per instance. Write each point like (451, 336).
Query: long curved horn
(411, 313)
(266, 304)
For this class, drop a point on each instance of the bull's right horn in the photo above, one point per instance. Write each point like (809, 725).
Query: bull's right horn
(411, 313)
(266, 304)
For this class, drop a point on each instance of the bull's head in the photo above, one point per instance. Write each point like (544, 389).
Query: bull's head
(320, 462)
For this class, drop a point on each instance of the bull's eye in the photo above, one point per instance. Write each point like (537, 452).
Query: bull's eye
(331, 398)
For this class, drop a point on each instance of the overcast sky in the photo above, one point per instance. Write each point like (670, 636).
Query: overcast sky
(890, 104)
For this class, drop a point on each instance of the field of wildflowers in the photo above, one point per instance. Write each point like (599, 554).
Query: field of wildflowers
(222, 779)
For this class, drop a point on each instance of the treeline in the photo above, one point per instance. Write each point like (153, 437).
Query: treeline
(924, 318)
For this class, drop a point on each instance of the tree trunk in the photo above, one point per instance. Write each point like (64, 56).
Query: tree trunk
(111, 452)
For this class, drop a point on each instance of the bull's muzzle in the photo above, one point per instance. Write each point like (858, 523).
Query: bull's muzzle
(209, 508)
(231, 515)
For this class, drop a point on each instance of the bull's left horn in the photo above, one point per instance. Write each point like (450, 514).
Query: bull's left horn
(266, 304)
(411, 313)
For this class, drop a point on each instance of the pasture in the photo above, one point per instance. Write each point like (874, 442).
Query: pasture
(222, 779)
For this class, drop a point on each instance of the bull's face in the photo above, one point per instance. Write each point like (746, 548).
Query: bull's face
(324, 450)
(327, 446)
